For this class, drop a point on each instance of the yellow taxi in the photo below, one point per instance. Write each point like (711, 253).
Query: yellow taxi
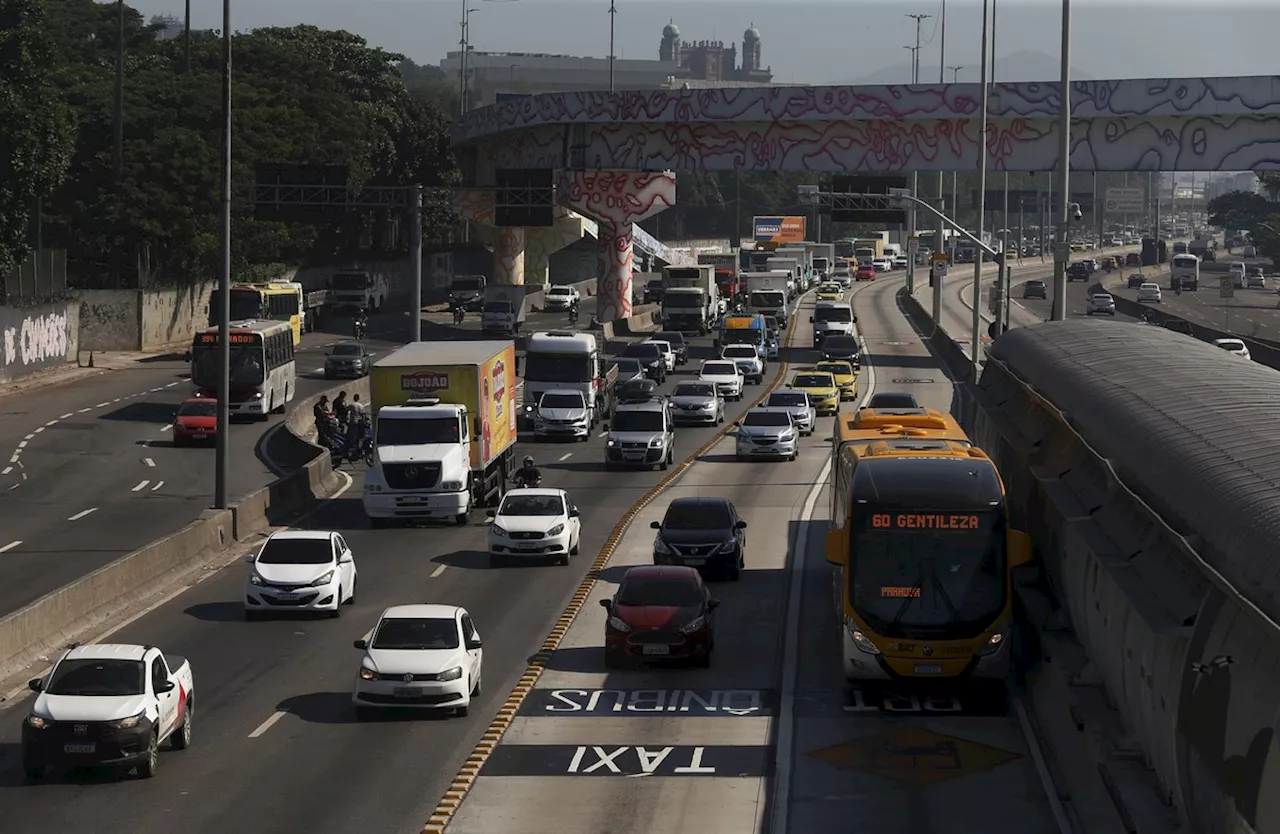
(830, 292)
(1078, 247)
(846, 377)
(821, 387)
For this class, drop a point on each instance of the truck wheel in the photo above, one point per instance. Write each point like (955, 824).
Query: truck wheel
(147, 767)
(181, 739)
(461, 519)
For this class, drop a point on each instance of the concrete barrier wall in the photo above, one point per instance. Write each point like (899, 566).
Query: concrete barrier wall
(1263, 351)
(39, 338)
(142, 320)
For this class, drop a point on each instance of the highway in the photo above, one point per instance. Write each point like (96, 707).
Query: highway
(1253, 313)
(275, 732)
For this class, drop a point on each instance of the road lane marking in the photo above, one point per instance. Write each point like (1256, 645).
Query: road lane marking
(141, 486)
(439, 570)
(603, 434)
(565, 457)
(102, 405)
(166, 427)
(149, 461)
(83, 410)
(9, 546)
(42, 428)
(63, 417)
(6, 470)
(22, 445)
(14, 458)
(171, 384)
(319, 370)
(266, 725)
(82, 514)
(157, 486)
(157, 389)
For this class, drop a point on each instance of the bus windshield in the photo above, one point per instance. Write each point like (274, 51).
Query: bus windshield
(247, 366)
(246, 305)
(743, 336)
(767, 298)
(922, 575)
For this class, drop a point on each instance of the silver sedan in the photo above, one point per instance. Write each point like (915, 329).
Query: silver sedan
(798, 405)
(697, 403)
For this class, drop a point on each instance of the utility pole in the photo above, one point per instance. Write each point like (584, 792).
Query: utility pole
(976, 353)
(186, 39)
(613, 13)
(915, 54)
(1003, 276)
(1064, 173)
(415, 263)
(955, 209)
(220, 498)
(940, 236)
(117, 159)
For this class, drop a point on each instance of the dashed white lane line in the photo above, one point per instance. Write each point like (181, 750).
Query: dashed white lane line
(14, 458)
(149, 462)
(83, 410)
(266, 725)
(602, 434)
(6, 470)
(141, 486)
(66, 416)
(45, 426)
(565, 457)
(82, 514)
(439, 570)
(319, 370)
(102, 405)
(157, 486)
(166, 427)
(9, 546)
(171, 384)
(22, 444)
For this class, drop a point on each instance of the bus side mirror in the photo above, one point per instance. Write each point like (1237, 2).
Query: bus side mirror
(1019, 548)
(835, 547)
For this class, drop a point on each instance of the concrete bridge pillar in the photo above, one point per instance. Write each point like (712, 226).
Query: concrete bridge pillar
(617, 200)
(477, 205)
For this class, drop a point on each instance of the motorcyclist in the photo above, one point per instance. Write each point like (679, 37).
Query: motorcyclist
(459, 312)
(573, 310)
(528, 474)
(361, 324)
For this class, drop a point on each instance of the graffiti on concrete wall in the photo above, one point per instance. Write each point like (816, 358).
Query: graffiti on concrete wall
(1164, 124)
(33, 339)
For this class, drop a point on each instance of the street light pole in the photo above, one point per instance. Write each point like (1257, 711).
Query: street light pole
(976, 353)
(915, 175)
(224, 277)
(1005, 277)
(955, 79)
(186, 39)
(1064, 172)
(939, 240)
(117, 159)
(613, 13)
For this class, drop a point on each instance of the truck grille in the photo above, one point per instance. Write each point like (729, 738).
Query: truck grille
(411, 475)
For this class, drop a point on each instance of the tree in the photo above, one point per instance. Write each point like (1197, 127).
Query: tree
(36, 128)
(1270, 181)
(1239, 210)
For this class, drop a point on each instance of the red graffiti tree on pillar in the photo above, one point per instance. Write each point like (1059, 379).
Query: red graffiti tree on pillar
(617, 200)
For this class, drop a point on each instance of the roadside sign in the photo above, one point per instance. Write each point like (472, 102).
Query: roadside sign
(939, 256)
(939, 269)
(913, 244)
(1126, 200)
(1226, 289)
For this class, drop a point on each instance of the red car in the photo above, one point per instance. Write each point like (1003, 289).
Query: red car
(660, 612)
(196, 422)
(865, 273)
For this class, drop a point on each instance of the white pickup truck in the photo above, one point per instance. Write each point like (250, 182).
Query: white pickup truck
(108, 705)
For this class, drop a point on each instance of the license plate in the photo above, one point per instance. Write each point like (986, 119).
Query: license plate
(405, 692)
(287, 595)
(928, 669)
(411, 500)
(199, 436)
(659, 650)
(84, 747)
(696, 560)
(526, 549)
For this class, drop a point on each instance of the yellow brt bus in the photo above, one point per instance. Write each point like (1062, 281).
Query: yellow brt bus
(267, 302)
(921, 549)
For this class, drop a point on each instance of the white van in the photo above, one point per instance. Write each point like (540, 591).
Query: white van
(1238, 272)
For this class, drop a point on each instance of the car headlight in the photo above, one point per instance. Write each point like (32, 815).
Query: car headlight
(127, 723)
(860, 640)
(451, 485)
(659, 546)
(450, 674)
(618, 625)
(324, 580)
(787, 435)
(38, 722)
(693, 625)
(557, 530)
(498, 531)
(256, 579)
(657, 442)
(367, 674)
(993, 645)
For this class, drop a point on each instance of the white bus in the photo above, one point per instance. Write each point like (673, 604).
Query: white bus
(263, 374)
(1184, 272)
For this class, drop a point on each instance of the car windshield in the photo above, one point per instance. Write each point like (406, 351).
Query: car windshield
(347, 350)
(626, 367)
(526, 505)
(1035, 285)
(558, 367)
(915, 582)
(559, 291)
(767, 298)
(497, 307)
(1231, 344)
(812, 381)
(463, 284)
(767, 418)
(573, 400)
(296, 552)
(89, 677)
(696, 515)
(739, 352)
(416, 633)
(416, 431)
(665, 591)
(720, 369)
(662, 346)
(642, 350)
(1102, 298)
(833, 314)
(682, 299)
(836, 368)
(694, 389)
(789, 400)
(1150, 287)
(841, 344)
(637, 421)
(676, 340)
(198, 410)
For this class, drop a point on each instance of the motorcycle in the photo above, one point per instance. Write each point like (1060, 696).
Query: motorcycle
(522, 482)
(347, 443)
(573, 315)
(459, 314)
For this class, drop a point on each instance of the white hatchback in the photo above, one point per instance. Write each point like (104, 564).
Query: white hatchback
(1149, 292)
(725, 375)
(420, 656)
(535, 523)
(1236, 346)
(1101, 304)
(300, 570)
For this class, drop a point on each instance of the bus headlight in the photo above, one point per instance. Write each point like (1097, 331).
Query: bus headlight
(994, 644)
(862, 641)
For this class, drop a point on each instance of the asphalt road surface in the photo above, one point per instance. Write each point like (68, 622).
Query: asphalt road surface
(91, 473)
(1253, 313)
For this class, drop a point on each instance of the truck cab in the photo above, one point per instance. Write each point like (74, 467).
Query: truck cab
(691, 298)
(423, 457)
(558, 360)
(504, 309)
(358, 289)
(767, 295)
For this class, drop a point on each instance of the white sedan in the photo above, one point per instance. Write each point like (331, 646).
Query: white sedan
(725, 375)
(300, 570)
(534, 523)
(423, 656)
(1236, 346)
(1149, 292)
(559, 298)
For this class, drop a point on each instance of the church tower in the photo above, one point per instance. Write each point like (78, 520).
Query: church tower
(751, 50)
(670, 49)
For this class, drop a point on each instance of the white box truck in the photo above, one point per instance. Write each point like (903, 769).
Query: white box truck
(690, 298)
(444, 430)
(563, 360)
(767, 295)
(504, 309)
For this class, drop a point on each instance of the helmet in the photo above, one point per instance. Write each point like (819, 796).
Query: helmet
(528, 460)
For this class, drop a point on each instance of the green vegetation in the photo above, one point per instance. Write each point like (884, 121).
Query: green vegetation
(300, 95)
(1252, 213)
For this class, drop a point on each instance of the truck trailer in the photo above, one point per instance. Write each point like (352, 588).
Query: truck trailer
(444, 430)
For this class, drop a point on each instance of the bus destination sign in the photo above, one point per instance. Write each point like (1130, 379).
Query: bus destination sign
(936, 522)
(236, 338)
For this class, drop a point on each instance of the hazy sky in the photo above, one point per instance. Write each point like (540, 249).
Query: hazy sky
(806, 42)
